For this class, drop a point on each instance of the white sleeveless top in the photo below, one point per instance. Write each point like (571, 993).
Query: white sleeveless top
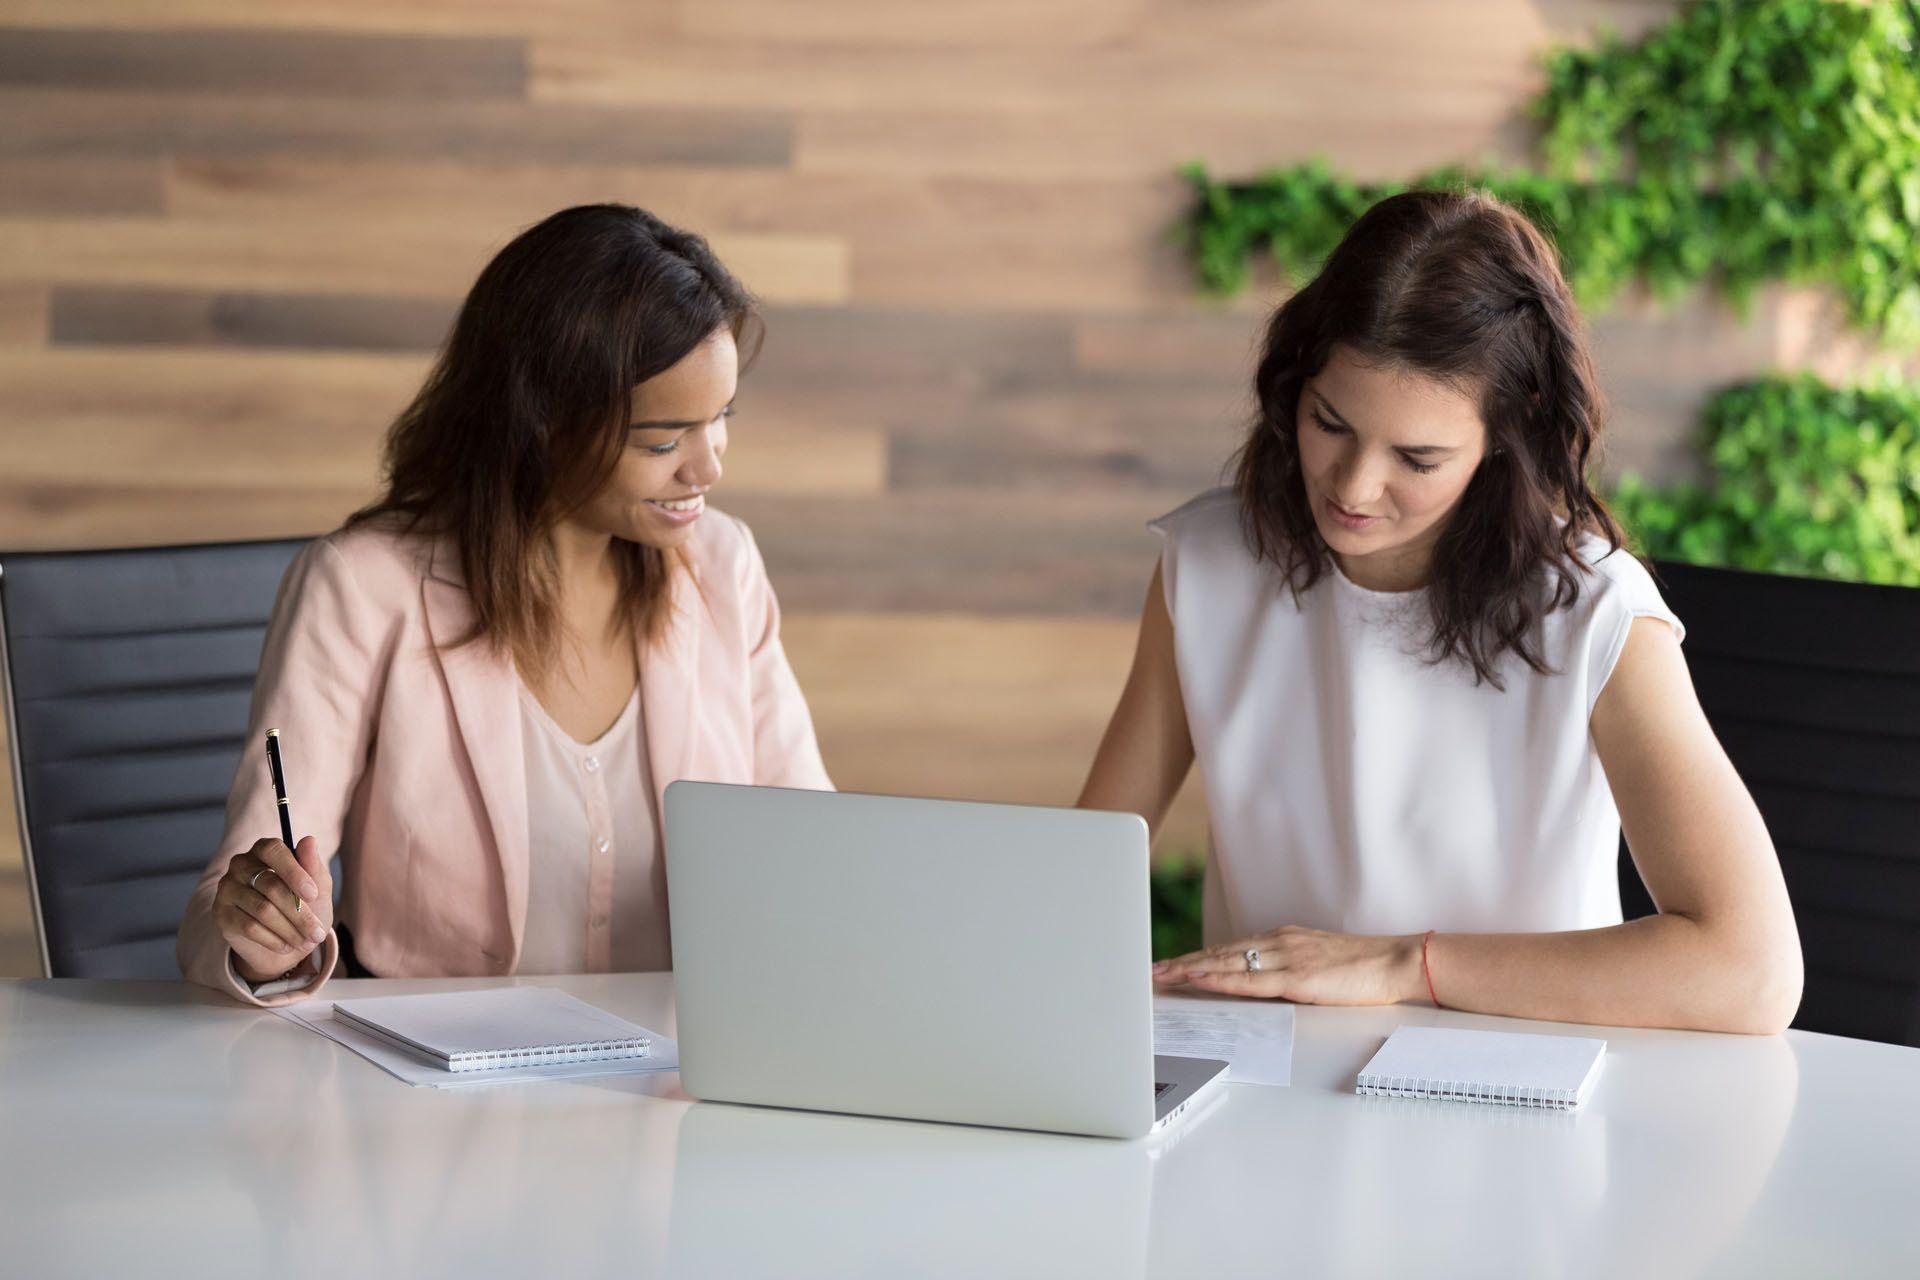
(1353, 786)
(596, 887)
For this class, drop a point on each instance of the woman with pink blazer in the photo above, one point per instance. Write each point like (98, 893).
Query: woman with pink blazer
(484, 681)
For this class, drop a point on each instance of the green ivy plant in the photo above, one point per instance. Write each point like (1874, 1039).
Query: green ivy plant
(1173, 892)
(1805, 478)
(1743, 141)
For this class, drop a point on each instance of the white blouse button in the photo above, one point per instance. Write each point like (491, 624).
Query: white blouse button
(591, 764)
(602, 844)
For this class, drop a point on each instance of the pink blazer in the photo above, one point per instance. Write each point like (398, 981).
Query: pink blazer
(407, 759)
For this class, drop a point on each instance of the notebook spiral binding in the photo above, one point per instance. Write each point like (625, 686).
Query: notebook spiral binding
(1464, 1091)
(586, 1051)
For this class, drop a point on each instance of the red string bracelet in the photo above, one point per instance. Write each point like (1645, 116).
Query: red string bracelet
(1427, 969)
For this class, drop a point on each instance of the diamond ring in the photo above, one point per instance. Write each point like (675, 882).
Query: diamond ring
(1253, 960)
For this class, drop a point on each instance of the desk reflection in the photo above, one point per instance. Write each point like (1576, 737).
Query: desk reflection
(1660, 1184)
(760, 1191)
(151, 1130)
(355, 1167)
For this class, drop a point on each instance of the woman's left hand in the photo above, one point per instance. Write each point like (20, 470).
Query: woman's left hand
(1306, 966)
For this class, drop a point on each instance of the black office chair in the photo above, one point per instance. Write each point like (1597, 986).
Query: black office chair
(1814, 689)
(128, 676)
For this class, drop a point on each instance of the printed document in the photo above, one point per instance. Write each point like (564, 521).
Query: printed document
(1253, 1037)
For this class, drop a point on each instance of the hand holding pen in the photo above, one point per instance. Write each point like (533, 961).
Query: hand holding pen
(275, 903)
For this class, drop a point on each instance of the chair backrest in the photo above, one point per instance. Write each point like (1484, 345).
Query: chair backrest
(128, 677)
(1813, 687)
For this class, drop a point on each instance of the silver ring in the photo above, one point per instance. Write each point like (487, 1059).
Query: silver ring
(1253, 960)
(256, 875)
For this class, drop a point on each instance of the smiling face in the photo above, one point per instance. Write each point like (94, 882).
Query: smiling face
(675, 441)
(1386, 456)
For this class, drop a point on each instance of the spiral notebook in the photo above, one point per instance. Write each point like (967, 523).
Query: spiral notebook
(500, 1027)
(1510, 1068)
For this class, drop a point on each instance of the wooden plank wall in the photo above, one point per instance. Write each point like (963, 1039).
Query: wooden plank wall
(231, 235)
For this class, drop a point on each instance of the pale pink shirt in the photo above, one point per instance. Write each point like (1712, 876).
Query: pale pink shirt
(596, 886)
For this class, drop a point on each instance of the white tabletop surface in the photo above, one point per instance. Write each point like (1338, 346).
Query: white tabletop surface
(157, 1129)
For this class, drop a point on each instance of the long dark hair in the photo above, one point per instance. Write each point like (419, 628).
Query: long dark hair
(1462, 288)
(525, 412)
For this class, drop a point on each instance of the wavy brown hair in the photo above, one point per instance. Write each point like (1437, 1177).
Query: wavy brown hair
(1462, 288)
(524, 415)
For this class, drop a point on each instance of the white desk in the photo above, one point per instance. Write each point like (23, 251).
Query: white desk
(155, 1129)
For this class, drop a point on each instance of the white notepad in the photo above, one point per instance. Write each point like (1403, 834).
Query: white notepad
(498, 1027)
(1506, 1067)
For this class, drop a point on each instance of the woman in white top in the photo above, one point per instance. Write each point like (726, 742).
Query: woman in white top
(1425, 685)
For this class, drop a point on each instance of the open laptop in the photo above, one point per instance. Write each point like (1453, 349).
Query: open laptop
(928, 959)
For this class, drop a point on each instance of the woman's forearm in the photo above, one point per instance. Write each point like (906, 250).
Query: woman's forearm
(1665, 970)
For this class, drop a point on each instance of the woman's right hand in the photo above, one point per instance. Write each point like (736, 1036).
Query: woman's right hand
(274, 906)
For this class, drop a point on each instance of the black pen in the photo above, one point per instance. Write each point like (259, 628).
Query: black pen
(280, 795)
